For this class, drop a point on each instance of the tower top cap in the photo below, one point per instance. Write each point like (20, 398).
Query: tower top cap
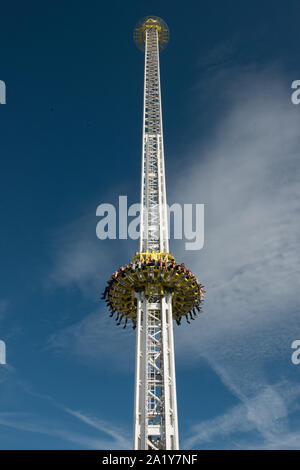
(139, 33)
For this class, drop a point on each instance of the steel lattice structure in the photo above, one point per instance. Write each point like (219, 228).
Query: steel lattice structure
(153, 290)
(155, 416)
(154, 228)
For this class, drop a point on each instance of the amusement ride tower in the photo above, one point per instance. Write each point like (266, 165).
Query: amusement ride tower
(153, 289)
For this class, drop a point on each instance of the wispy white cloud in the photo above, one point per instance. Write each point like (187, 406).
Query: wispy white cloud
(265, 414)
(78, 258)
(29, 422)
(220, 56)
(87, 431)
(121, 440)
(46, 416)
(96, 338)
(248, 177)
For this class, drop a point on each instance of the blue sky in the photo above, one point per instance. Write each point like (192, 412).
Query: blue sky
(71, 140)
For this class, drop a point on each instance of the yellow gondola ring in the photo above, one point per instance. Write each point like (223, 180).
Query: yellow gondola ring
(154, 272)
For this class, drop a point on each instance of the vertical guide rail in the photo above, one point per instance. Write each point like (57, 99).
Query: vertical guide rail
(154, 227)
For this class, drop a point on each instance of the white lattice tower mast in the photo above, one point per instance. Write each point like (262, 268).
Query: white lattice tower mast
(153, 289)
(155, 413)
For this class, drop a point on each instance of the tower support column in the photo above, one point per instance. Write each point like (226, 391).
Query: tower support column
(155, 420)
